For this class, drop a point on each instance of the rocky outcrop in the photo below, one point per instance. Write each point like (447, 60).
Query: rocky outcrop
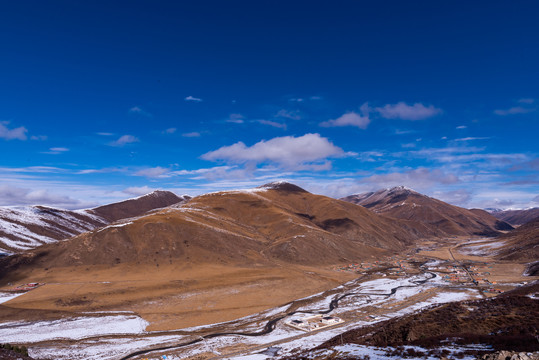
(510, 355)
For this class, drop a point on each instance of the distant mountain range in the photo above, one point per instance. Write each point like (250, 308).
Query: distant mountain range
(445, 219)
(515, 217)
(277, 222)
(23, 228)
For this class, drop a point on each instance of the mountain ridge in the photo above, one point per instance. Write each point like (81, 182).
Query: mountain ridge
(404, 203)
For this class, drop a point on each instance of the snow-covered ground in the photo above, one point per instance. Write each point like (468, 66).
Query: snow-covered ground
(71, 328)
(95, 341)
(17, 224)
(5, 297)
(482, 249)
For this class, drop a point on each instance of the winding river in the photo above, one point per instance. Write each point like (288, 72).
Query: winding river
(271, 324)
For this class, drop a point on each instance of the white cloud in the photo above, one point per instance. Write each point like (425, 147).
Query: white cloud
(104, 134)
(12, 134)
(403, 111)
(351, 119)
(124, 139)
(461, 127)
(514, 110)
(170, 130)
(138, 190)
(348, 119)
(309, 150)
(193, 99)
(272, 123)
(526, 101)
(296, 100)
(154, 172)
(191, 134)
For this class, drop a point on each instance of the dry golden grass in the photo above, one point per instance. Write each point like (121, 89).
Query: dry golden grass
(173, 297)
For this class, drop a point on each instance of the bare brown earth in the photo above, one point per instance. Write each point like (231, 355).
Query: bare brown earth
(441, 217)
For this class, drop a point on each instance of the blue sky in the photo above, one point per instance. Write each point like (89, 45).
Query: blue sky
(104, 100)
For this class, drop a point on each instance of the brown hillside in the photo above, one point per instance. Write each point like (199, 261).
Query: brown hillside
(521, 244)
(138, 206)
(516, 217)
(449, 220)
(272, 223)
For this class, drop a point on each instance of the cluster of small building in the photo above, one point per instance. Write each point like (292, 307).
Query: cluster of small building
(315, 322)
(25, 287)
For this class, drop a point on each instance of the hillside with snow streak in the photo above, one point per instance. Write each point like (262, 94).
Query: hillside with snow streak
(27, 227)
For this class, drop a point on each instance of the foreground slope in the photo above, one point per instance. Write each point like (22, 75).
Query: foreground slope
(507, 322)
(23, 228)
(403, 203)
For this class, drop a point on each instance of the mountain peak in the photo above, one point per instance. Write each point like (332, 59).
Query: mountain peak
(400, 189)
(282, 186)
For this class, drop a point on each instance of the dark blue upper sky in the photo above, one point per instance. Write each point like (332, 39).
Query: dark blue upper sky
(103, 99)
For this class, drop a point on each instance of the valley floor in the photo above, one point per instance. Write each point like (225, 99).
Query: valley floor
(84, 328)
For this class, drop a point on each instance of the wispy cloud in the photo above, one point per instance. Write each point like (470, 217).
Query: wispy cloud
(138, 190)
(170, 131)
(56, 150)
(39, 137)
(236, 119)
(471, 138)
(193, 99)
(307, 151)
(12, 134)
(351, 119)
(272, 123)
(289, 114)
(403, 111)
(153, 172)
(459, 197)
(137, 110)
(417, 178)
(124, 140)
(461, 127)
(514, 110)
(526, 101)
(10, 195)
(191, 134)
(105, 134)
